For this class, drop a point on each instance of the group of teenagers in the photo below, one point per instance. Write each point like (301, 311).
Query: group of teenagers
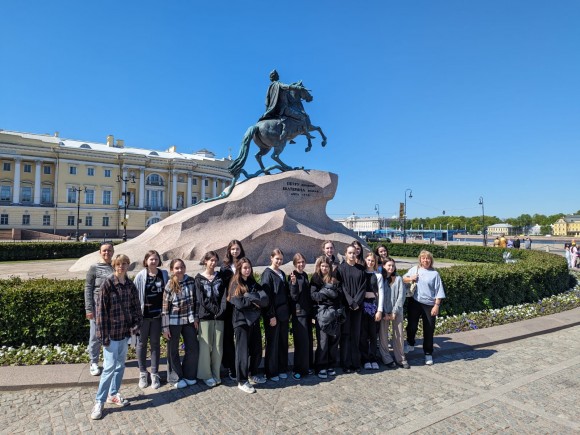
(352, 301)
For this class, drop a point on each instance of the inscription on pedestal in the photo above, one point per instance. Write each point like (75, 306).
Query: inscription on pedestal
(300, 189)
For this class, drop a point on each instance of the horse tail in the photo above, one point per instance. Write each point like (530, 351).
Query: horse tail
(237, 165)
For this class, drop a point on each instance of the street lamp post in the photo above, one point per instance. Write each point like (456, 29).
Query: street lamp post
(483, 222)
(405, 215)
(127, 197)
(78, 191)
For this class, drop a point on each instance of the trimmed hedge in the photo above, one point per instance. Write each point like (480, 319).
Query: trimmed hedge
(44, 311)
(20, 251)
(469, 288)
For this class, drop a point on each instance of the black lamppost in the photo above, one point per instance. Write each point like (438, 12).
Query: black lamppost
(127, 197)
(483, 222)
(405, 215)
(78, 191)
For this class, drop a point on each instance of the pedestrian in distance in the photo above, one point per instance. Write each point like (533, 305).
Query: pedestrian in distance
(95, 277)
(150, 283)
(118, 316)
(211, 306)
(248, 300)
(179, 318)
(301, 307)
(425, 302)
(276, 318)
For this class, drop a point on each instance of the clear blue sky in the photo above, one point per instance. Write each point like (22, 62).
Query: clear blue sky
(453, 99)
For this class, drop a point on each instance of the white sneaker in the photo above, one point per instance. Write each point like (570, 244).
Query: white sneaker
(428, 360)
(408, 348)
(368, 366)
(155, 381)
(375, 366)
(190, 381)
(97, 411)
(143, 381)
(246, 388)
(180, 384)
(283, 376)
(117, 400)
(322, 374)
(257, 380)
(94, 369)
(210, 382)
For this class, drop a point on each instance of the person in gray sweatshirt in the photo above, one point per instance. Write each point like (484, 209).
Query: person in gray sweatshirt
(96, 275)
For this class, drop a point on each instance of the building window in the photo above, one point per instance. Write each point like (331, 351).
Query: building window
(194, 181)
(46, 220)
(27, 167)
(72, 170)
(71, 196)
(105, 221)
(3, 219)
(90, 196)
(46, 170)
(106, 197)
(26, 194)
(91, 172)
(5, 193)
(71, 221)
(7, 166)
(194, 199)
(206, 182)
(46, 195)
(154, 180)
(180, 178)
(107, 173)
(89, 221)
(25, 219)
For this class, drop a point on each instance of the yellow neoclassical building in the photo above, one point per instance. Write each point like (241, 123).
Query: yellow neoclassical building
(567, 226)
(52, 184)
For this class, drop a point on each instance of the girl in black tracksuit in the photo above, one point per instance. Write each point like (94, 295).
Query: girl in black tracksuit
(368, 332)
(276, 318)
(327, 295)
(248, 300)
(301, 305)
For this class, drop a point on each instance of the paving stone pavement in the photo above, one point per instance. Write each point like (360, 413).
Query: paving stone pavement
(529, 386)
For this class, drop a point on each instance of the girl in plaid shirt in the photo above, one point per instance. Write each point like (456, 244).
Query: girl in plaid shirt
(179, 317)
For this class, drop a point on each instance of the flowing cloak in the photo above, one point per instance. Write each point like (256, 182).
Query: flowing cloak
(273, 97)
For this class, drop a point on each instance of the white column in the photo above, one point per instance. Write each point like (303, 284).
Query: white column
(174, 192)
(16, 193)
(203, 178)
(37, 182)
(214, 187)
(189, 182)
(141, 187)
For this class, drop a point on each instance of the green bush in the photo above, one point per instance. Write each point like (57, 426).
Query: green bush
(42, 311)
(493, 284)
(20, 251)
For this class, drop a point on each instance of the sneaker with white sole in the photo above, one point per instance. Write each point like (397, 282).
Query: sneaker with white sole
(368, 366)
(275, 378)
(190, 382)
(331, 372)
(97, 412)
(117, 400)
(408, 348)
(94, 369)
(283, 375)
(155, 381)
(428, 360)
(180, 384)
(143, 380)
(322, 374)
(246, 388)
(375, 366)
(211, 382)
(257, 380)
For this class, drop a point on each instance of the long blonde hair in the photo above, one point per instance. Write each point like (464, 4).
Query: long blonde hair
(174, 281)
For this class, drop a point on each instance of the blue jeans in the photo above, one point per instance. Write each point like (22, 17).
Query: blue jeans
(114, 356)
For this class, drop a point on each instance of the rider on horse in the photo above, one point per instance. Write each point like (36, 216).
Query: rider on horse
(278, 106)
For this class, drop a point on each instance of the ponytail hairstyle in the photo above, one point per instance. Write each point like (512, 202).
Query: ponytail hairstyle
(174, 281)
(237, 285)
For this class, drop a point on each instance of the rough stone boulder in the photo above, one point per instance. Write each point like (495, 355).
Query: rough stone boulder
(285, 211)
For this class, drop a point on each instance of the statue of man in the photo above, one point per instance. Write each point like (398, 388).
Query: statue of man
(277, 106)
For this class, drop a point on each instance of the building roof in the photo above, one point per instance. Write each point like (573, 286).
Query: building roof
(504, 225)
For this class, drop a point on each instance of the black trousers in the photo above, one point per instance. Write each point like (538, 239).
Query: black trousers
(186, 369)
(303, 342)
(276, 348)
(327, 349)
(229, 349)
(416, 311)
(368, 339)
(248, 351)
(350, 340)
